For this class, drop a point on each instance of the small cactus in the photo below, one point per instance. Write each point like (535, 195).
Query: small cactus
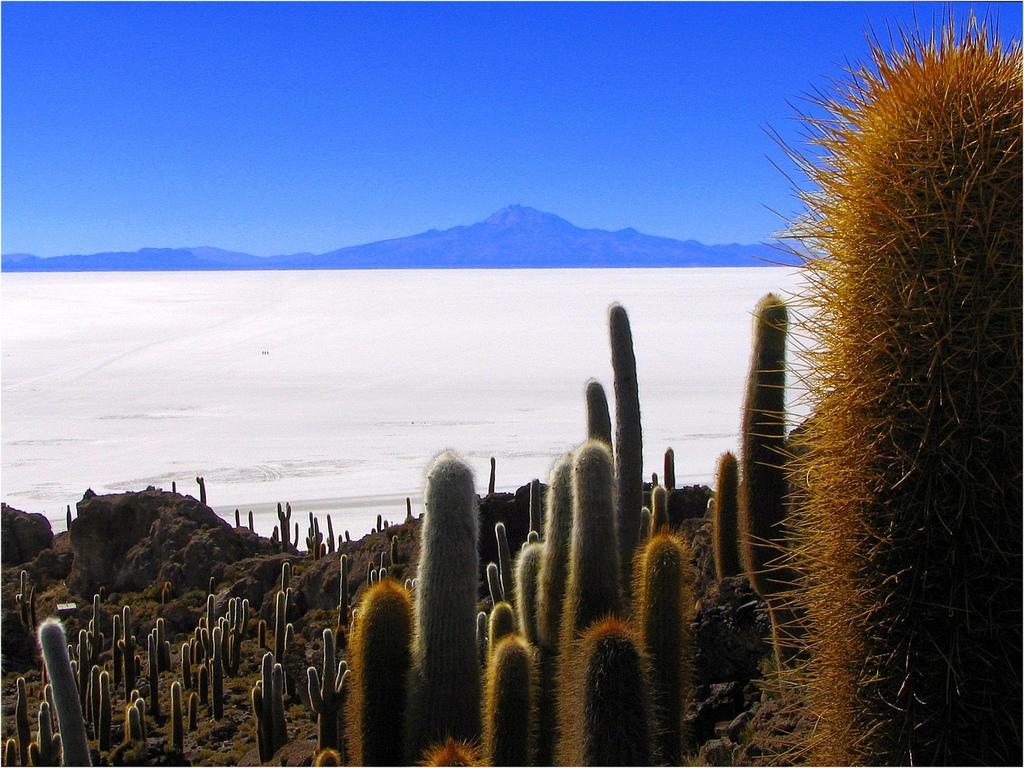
(724, 519)
(380, 655)
(326, 696)
(610, 722)
(502, 622)
(599, 422)
(669, 480)
(177, 719)
(451, 752)
(504, 563)
(510, 717)
(494, 584)
(664, 598)
(527, 570)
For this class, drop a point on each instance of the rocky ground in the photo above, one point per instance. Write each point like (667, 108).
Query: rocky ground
(126, 547)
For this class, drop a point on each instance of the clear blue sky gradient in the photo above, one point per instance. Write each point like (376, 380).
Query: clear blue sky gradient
(281, 127)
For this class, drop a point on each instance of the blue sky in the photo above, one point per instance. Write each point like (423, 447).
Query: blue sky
(284, 127)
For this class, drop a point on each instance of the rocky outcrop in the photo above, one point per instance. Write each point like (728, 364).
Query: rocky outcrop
(23, 535)
(128, 541)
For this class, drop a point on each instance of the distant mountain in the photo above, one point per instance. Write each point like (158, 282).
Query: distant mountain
(514, 237)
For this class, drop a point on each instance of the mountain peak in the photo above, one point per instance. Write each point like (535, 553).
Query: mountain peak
(519, 215)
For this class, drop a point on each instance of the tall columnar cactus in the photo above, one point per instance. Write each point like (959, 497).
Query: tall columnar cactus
(763, 485)
(177, 719)
(629, 470)
(267, 698)
(599, 421)
(46, 747)
(592, 588)
(285, 526)
(909, 530)
(445, 686)
(331, 541)
(536, 506)
(724, 529)
(555, 554)
(490, 480)
(202, 490)
(527, 570)
(380, 655)
(216, 662)
(494, 584)
(510, 717)
(481, 636)
(663, 603)
(74, 743)
(344, 597)
(326, 695)
(105, 713)
(154, 676)
(669, 481)
(22, 729)
(504, 563)
(610, 722)
(659, 509)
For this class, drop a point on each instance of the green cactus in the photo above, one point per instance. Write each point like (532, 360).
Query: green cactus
(216, 663)
(610, 722)
(21, 720)
(193, 711)
(908, 527)
(326, 697)
(763, 485)
(527, 570)
(504, 563)
(501, 622)
(555, 554)
(494, 584)
(536, 507)
(724, 520)
(664, 599)
(177, 719)
(481, 636)
(599, 422)
(629, 471)
(659, 509)
(592, 588)
(646, 523)
(54, 647)
(285, 526)
(670, 470)
(345, 598)
(154, 676)
(510, 716)
(444, 695)
(380, 655)
(46, 748)
(267, 698)
(105, 715)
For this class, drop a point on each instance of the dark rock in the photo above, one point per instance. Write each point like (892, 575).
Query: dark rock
(50, 565)
(688, 503)
(23, 535)
(128, 541)
(712, 704)
(717, 752)
(731, 630)
(514, 511)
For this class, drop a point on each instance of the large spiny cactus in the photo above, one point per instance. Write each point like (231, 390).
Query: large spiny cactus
(510, 719)
(444, 698)
(74, 743)
(909, 530)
